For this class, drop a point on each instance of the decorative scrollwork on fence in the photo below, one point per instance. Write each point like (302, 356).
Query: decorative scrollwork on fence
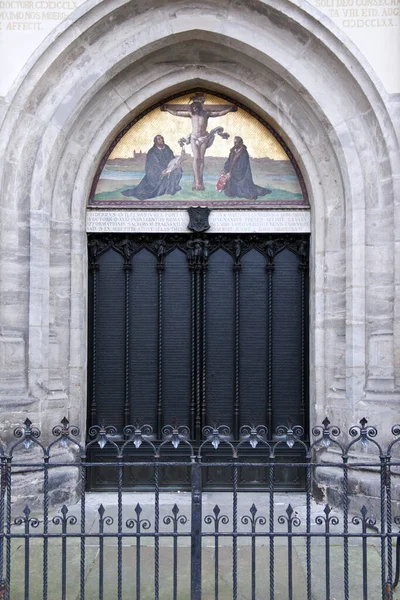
(328, 519)
(64, 431)
(28, 432)
(253, 434)
(364, 520)
(365, 433)
(104, 520)
(64, 519)
(102, 434)
(175, 434)
(176, 519)
(216, 434)
(137, 434)
(327, 433)
(290, 518)
(27, 520)
(253, 519)
(290, 434)
(217, 519)
(138, 523)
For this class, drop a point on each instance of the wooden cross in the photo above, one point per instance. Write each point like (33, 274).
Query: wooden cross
(200, 98)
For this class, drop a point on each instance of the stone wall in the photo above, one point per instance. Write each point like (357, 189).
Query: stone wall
(106, 63)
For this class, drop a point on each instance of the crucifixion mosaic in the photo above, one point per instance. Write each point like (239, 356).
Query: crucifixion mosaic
(199, 149)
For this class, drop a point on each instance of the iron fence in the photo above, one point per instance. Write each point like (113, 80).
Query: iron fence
(198, 544)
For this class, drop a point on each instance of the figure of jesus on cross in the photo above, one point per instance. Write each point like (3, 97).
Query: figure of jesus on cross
(200, 139)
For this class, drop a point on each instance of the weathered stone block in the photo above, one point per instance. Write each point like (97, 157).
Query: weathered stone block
(12, 360)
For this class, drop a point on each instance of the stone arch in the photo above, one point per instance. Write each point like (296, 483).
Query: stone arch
(95, 75)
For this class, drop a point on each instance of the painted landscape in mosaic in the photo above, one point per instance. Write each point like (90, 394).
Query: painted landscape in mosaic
(198, 149)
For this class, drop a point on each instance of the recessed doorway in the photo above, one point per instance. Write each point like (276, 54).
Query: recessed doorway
(198, 329)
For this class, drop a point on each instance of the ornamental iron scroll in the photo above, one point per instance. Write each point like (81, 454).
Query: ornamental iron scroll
(254, 435)
(64, 432)
(28, 433)
(138, 434)
(175, 434)
(326, 434)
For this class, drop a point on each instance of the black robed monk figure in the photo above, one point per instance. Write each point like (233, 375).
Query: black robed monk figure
(239, 180)
(161, 177)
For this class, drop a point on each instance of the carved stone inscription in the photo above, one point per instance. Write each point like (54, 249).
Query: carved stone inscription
(221, 221)
(258, 221)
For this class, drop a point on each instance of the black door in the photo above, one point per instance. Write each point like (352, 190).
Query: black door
(198, 330)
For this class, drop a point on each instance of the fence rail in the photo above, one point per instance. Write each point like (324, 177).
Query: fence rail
(197, 544)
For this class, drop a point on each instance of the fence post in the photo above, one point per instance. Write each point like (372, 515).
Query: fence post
(196, 530)
(3, 483)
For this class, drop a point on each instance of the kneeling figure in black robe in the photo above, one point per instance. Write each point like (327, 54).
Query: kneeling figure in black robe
(156, 181)
(239, 181)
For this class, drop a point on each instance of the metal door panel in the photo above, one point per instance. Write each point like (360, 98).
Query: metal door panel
(198, 330)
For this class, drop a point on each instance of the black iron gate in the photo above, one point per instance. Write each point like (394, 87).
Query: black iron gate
(198, 329)
(165, 546)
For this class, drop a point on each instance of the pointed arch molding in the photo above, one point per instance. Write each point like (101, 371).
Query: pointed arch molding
(109, 62)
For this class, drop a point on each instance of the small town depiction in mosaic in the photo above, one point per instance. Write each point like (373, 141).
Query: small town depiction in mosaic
(198, 149)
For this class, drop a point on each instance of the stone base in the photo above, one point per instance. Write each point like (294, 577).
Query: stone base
(364, 490)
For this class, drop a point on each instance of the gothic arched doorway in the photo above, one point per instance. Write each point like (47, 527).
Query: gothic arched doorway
(199, 328)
